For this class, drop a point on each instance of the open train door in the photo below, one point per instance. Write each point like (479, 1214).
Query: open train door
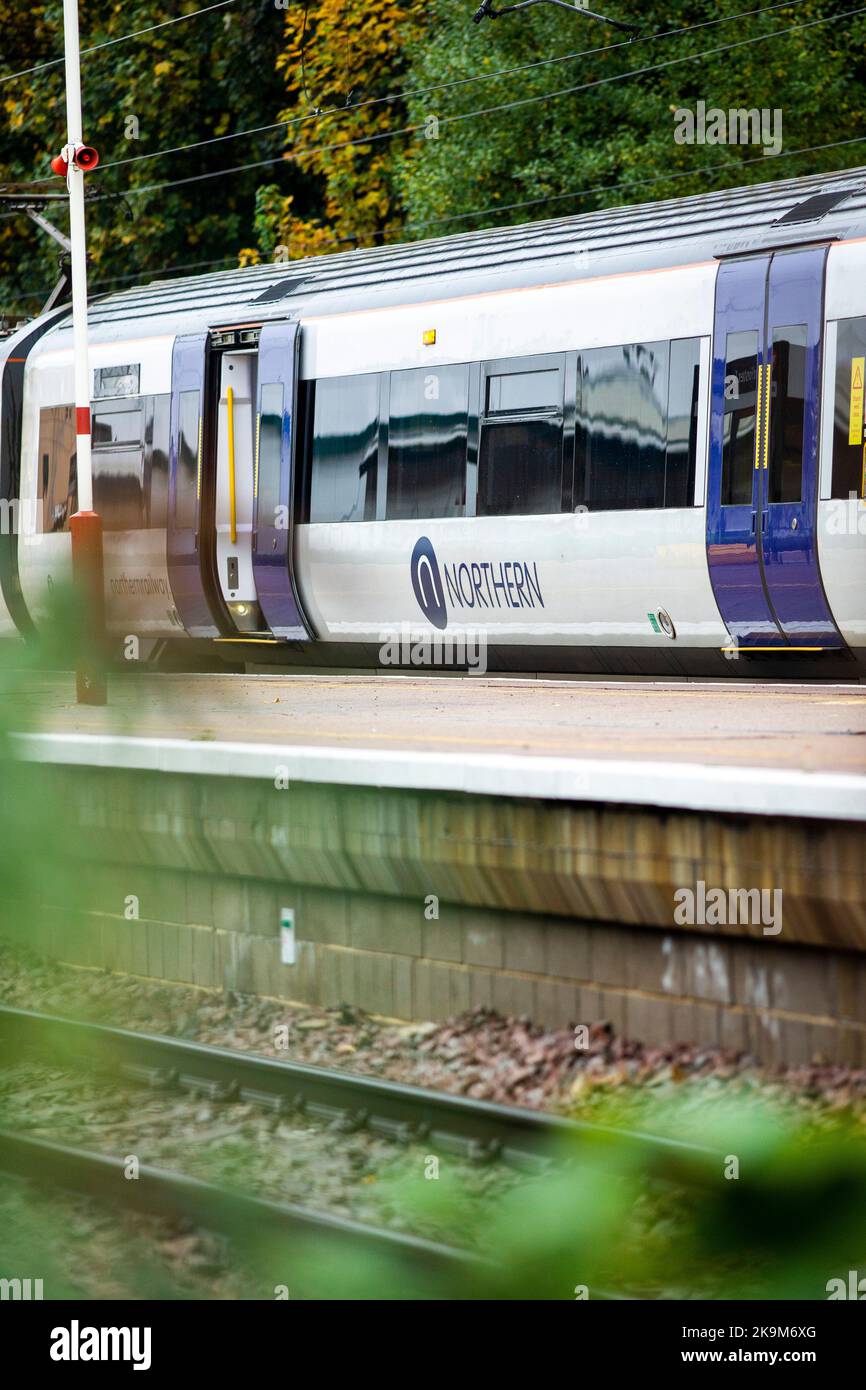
(232, 484)
(274, 485)
(762, 499)
(190, 492)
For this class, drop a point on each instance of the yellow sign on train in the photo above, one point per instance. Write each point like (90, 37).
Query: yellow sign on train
(855, 424)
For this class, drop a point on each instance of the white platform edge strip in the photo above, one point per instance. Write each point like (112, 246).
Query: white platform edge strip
(669, 785)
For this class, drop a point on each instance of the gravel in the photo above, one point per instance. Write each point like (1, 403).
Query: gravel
(480, 1054)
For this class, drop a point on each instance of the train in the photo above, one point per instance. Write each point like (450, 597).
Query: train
(623, 443)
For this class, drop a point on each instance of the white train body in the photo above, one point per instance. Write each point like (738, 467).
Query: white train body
(620, 443)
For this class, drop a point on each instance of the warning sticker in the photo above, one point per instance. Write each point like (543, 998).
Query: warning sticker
(855, 423)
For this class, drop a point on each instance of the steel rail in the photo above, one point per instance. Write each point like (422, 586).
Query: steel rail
(474, 1129)
(243, 1219)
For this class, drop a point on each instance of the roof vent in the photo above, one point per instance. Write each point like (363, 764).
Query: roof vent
(816, 206)
(279, 290)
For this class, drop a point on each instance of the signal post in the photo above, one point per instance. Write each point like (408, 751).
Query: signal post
(86, 525)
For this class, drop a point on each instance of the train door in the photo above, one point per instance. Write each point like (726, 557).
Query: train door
(277, 443)
(763, 467)
(232, 484)
(234, 489)
(190, 493)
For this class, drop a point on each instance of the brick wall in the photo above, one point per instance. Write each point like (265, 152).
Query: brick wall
(564, 913)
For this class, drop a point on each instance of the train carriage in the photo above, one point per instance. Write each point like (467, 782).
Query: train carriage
(630, 442)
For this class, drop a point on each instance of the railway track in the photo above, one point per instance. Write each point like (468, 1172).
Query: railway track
(249, 1222)
(471, 1129)
(299, 1241)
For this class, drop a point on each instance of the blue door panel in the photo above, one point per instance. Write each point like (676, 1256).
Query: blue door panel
(188, 376)
(790, 555)
(274, 483)
(732, 541)
(761, 543)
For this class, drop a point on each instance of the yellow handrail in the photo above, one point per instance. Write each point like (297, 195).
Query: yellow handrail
(768, 391)
(233, 512)
(759, 421)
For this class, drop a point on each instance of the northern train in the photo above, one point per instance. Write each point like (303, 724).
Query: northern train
(627, 442)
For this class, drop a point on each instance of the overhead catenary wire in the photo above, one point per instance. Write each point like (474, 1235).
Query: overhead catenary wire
(415, 92)
(715, 170)
(121, 38)
(520, 102)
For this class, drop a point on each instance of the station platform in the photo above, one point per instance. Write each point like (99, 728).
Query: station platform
(789, 750)
(448, 843)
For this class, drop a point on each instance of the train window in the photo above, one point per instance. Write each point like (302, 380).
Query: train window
(269, 460)
(520, 468)
(621, 426)
(345, 448)
(738, 446)
(118, 488)
(118, 467)
(157, 435)
(186, 484)
(57, 458)
(116, 427)
(787, 413)
(520, 459)
(682, 440)
(429, 416)
(849, 419)
(517, 392)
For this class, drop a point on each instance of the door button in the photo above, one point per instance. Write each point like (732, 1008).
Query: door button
(794, 524)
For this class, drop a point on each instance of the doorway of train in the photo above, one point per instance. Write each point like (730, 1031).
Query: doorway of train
(231, 484)
(762, 494)
(236, 367)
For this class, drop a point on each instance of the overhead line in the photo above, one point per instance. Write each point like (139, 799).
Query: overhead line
(440, 86)
(444, 86)
(491, 110)
(122, 38)
(722, 166)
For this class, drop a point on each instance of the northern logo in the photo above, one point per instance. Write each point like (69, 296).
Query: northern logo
(472, 585)
(427, 583)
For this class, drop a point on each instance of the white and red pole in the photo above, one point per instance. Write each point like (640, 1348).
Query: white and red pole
(85, 525)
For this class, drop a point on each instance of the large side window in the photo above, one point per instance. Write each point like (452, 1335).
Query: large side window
(682, 437)
(268, 454)
(118, 464)
(520, 460)
(787, 413)
(429, 415)
(157, 438)
(621, 426)
(741, 394)
(849, 417)
(57, 460)
(129, 443)
(189, 446)
(344, 449)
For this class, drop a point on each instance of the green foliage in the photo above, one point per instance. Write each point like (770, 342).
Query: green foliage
(612, 144)
(542, 139)
(204, 78)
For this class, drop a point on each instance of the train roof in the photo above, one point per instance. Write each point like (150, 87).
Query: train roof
(817, 207)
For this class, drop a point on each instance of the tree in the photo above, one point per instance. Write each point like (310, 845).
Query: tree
(551, 138)
(198, 80)
(342, 65)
